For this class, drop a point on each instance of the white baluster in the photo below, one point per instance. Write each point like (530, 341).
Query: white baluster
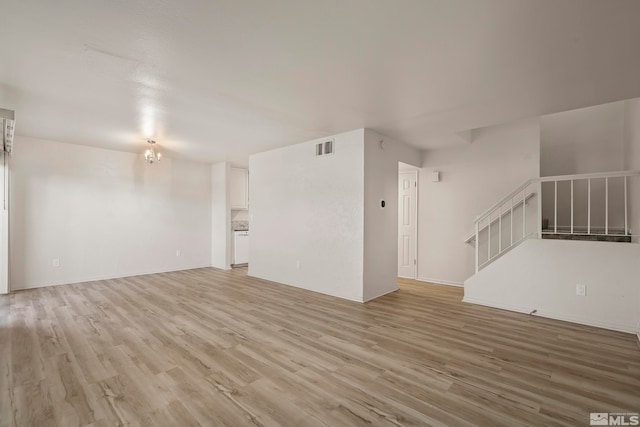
(539, 190)
(500, 230)
(606, 205)
(589, 206)
(511, 232)
(524, 212)
(571, 206)
(555, 207)
(489, 240)
(477, 245)
(626, 219)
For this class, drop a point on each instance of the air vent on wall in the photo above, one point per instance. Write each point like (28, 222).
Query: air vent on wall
(324, 148)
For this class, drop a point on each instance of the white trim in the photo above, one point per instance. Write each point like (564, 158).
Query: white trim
(440, 282)
(596, 175)
(96, 278)
(472, 237)
(5, 277)
(416, 172)
(378, 296)
(582, 229)
(552, 315)
(360, 300)
(417, 235)
(531, 181)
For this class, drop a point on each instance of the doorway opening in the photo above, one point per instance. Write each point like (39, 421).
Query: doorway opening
(407, 221)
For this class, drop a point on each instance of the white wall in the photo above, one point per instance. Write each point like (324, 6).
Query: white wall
(310, 209)
(103, 214)
(325, 213)
(632, 162)
(580, 141)
(381, 224)
(220, 216)
(542, 275)
(473, 177)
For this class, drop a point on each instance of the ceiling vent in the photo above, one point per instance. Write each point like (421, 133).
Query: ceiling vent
(7, 120)
(325, 148)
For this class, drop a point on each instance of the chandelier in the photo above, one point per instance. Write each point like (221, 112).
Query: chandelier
(152, 155)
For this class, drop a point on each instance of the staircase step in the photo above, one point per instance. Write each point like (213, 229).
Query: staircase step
(591, 237)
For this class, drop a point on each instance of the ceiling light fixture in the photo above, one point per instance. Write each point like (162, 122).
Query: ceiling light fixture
(152, 155)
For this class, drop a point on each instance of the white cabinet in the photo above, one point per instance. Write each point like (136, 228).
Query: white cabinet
(239, 189)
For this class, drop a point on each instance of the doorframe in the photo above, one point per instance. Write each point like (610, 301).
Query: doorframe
(416, 172)
(5, 286)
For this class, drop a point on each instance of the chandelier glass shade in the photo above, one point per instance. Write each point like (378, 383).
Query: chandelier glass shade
(152, 155)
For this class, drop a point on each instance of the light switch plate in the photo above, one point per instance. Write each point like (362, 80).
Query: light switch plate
(581, 290)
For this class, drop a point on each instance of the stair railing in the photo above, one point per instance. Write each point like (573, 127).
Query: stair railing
(514, 218)
(605, 178)
(514, 206)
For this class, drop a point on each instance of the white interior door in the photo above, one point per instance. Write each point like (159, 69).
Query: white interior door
(407, 224)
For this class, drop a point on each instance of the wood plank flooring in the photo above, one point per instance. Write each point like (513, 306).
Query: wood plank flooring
(211, 347)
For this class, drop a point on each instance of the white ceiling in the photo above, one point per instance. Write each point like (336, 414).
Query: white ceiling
(217, 80)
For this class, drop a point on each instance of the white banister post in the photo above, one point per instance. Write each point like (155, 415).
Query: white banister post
(626, 219)
(555, 207)
(489, 239)
(500, 230)
(477, 245)
(511, 232)
(589, 206)
(539, 189)
(524, 213)
(606, 205)
(571, 206)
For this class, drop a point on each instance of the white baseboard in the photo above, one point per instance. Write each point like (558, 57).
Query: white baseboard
(552, 315)
(224, 267)
(348, 298)
(380, 295)
(440, 282)
(359, 300)
(95, 278)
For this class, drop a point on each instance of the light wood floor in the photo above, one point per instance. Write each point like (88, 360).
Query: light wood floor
(218, 348)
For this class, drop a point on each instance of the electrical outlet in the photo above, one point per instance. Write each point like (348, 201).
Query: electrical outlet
(178, 253)
(56, 262)
(581, 290)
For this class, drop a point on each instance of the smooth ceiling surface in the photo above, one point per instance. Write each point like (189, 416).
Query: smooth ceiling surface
(217, 80)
